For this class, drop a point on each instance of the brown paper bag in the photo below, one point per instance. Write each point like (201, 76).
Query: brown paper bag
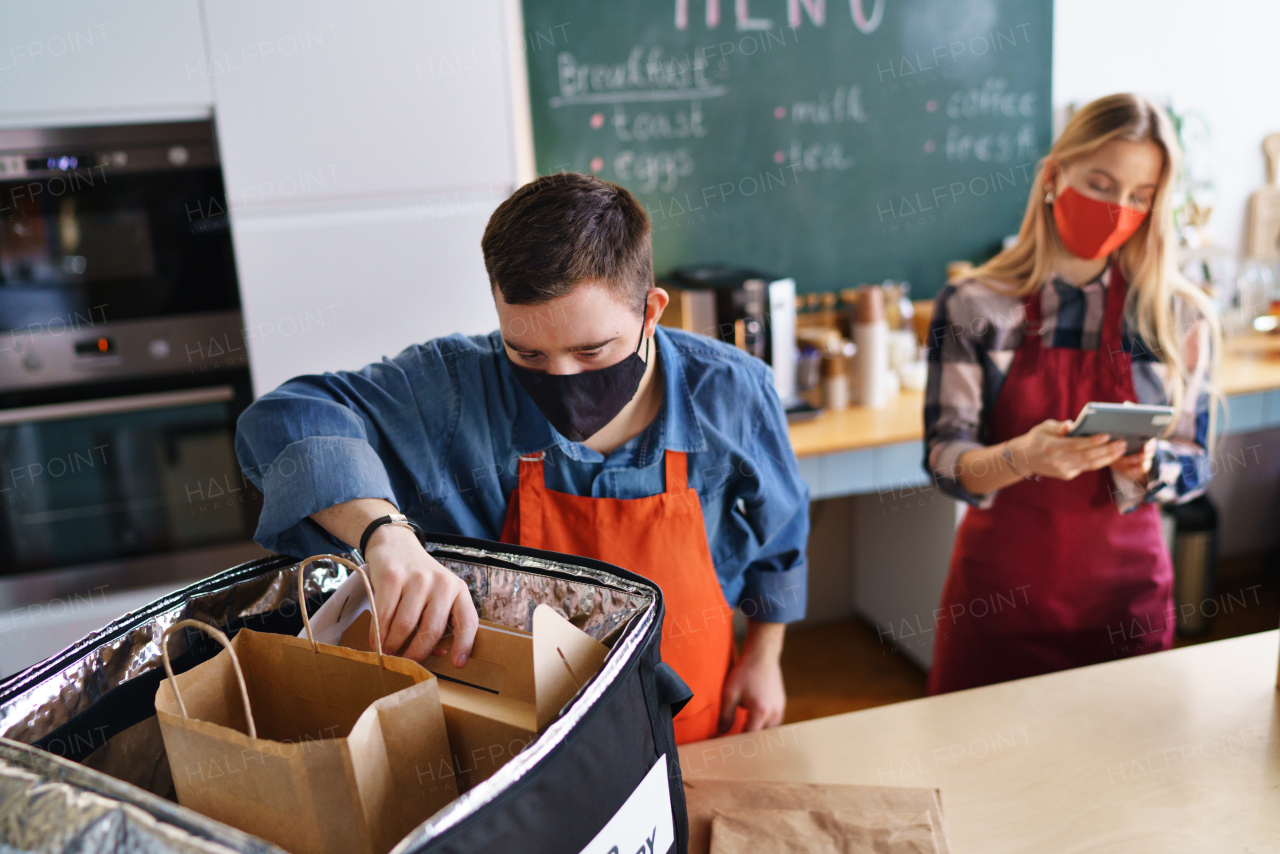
(703, 798)
(514, 684)
(821, 832)
(319, 749)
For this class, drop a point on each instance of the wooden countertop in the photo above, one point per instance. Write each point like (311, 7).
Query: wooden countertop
(1250, 364)
(902, 420)
(1175, 751)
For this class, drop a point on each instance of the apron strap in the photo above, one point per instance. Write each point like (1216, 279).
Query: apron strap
(532, 491)
(677, 471)
(1034, 321)
(531, 471)
(1113, 312)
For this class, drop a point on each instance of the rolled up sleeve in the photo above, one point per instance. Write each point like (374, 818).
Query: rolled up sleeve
(953, 404)
(319, 441)
(776, 579)
(315, 473)
(1181, 468)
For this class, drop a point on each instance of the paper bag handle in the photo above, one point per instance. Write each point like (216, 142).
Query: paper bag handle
(235, 664)
(364, 576)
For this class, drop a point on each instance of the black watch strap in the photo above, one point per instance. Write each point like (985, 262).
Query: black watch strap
(399, 520)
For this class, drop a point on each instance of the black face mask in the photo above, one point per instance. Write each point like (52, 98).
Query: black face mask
(578, 405)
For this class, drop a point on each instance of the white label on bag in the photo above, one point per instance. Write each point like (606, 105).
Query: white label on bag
(643, 825)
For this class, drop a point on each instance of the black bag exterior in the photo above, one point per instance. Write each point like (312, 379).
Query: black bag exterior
(558, 806)
(576, 790)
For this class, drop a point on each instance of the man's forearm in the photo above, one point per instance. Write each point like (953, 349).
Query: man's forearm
(764, 639)
(348, 520)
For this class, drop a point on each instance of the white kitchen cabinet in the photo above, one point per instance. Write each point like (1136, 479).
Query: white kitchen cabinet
(336, 287)
(901, 550)
(101, 61)
(339, 100)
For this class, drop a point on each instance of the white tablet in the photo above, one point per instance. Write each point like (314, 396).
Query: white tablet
(1136, 422)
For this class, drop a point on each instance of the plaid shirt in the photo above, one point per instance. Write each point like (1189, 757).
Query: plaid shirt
(973, 336)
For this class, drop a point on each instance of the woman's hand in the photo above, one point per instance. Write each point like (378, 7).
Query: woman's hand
(1136, 466)
(417, 598)
(1048, 451)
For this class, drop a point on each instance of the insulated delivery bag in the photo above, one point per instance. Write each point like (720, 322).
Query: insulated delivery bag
(83, 765)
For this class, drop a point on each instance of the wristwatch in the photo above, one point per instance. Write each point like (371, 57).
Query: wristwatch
(399, 520)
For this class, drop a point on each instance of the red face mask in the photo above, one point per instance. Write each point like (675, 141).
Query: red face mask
(1091, 228)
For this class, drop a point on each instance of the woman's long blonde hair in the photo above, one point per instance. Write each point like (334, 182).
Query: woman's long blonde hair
(1146, 258)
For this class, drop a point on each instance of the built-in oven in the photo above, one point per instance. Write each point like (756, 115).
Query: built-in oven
(122, 355)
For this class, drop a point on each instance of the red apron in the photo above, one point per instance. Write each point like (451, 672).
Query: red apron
(1052, 576)
(663, 538)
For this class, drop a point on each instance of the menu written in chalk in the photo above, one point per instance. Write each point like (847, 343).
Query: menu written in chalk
(838, 142)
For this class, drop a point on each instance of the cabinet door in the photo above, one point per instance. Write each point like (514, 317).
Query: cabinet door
(325, 99)
(91, 61)
(338, 287)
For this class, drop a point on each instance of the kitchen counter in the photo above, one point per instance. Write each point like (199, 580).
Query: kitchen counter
(833, 431)
(1175, 751)
(1250, 365)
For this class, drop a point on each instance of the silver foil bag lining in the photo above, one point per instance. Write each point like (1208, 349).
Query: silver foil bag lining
(120, 651)
(51, 804)
(599, 603)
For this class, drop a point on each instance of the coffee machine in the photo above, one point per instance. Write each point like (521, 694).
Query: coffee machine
(753, 311)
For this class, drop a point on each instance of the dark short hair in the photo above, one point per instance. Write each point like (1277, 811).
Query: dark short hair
(560, 230)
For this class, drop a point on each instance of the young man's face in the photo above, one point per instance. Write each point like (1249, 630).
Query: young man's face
(589, 328)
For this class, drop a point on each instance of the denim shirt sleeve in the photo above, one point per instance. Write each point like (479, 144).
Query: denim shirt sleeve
(320, 440)
(776, 504)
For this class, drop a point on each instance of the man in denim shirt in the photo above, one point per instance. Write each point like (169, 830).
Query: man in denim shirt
(580, 407)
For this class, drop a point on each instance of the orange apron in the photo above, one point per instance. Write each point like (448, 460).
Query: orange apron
(663, 538)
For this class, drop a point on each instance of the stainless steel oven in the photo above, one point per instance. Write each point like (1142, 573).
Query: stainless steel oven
(122, 356)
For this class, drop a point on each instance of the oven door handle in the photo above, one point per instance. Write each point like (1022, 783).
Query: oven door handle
(117, 405)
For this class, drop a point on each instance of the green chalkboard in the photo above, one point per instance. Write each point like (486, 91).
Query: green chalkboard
(838, 142)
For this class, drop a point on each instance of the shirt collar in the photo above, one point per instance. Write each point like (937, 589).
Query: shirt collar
(1102, 280)
(679, 429)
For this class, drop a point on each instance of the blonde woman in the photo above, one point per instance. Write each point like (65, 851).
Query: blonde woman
(1060, 561)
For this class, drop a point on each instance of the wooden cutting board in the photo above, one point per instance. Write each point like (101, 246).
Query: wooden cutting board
(1264, 207)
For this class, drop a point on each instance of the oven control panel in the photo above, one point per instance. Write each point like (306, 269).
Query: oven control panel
(89, 351)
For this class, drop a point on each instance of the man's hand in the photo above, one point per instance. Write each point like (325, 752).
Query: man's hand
(755, 682)
(417, 598)
(1136, 466)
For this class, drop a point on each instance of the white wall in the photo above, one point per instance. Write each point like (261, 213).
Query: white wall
(1218, 59)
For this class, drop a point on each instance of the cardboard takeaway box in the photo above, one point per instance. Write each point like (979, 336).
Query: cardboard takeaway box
(513, 685)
